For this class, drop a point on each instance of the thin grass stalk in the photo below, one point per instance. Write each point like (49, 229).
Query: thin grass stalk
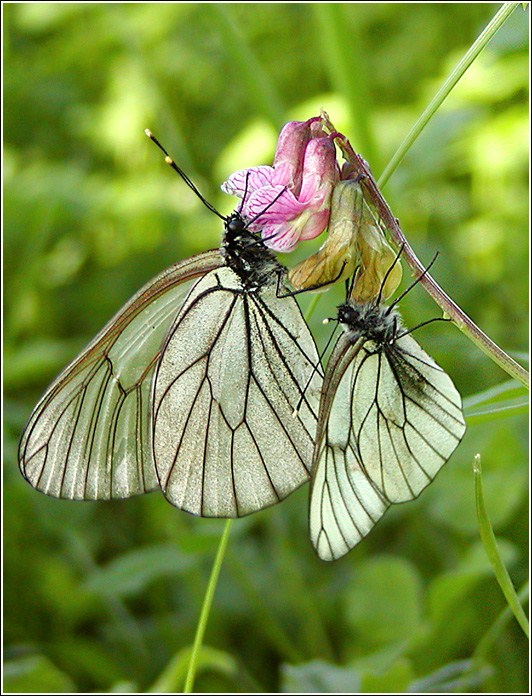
(447, 87)
(490, 546)
(206, 608)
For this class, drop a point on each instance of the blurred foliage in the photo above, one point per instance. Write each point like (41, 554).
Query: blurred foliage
(106, 596)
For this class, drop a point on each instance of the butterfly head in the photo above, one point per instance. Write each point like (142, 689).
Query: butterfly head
(372, 320)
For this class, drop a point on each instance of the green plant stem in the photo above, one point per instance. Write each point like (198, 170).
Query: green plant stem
(467, 326)
(490, 546)
(361, 171)
(213, 580)
(206, 608)
(449, 307)
(444, 91)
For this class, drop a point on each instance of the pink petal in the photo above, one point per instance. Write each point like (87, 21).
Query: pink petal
(281, 238)
(289, 154)
(320, 172)
(272, 205)
(254, 178)
(315, 225)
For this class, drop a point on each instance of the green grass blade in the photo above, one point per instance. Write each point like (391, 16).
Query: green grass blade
(501, 401)
(449, 84)
(490, 545)
(206, 608)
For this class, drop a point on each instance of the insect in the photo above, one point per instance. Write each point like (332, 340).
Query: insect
(389, 419)
(190, 388)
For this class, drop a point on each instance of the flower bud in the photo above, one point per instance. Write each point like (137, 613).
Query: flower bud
(354, 241)
(338, 255)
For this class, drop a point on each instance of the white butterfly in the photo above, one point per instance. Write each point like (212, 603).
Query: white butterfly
(389, 419)
(190, 388)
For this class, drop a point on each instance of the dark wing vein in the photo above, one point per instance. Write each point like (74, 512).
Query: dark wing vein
(288, 369)
(290, 405)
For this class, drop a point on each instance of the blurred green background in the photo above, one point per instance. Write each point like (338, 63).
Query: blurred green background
(106, 596)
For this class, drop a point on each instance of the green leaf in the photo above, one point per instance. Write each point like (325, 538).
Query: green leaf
(461, 675)
(124, 687)
(132, 572)
(319, 677)
(506, 399)
(384, 603)
(36, 674)
(394, 680)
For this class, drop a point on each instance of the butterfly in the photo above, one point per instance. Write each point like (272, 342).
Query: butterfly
(190, 388)
(389, 419)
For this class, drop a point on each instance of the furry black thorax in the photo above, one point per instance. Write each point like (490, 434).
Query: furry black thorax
(246, 254)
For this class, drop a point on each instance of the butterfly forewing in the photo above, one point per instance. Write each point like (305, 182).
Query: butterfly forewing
(225, 440)
(89, 436)
(406, 418)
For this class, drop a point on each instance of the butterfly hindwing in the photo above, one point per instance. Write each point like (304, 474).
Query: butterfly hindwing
(406, 415)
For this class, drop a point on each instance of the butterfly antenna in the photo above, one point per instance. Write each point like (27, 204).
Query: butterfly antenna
(387, 274)
(423, 323)
(412, 285)
(261, 240)
(268, 206)
(239, 209)
(182, 174)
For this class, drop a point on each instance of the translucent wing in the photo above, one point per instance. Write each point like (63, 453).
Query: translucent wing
(232, 373)
(89, 436)
(395, 418)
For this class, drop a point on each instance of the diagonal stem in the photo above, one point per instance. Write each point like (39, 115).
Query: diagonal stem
(360, 171)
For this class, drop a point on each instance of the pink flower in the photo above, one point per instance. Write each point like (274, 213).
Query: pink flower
(290, 201)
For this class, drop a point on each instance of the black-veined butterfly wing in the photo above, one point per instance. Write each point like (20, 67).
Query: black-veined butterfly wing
(392, 420)
(89, 436)
(233, 370)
